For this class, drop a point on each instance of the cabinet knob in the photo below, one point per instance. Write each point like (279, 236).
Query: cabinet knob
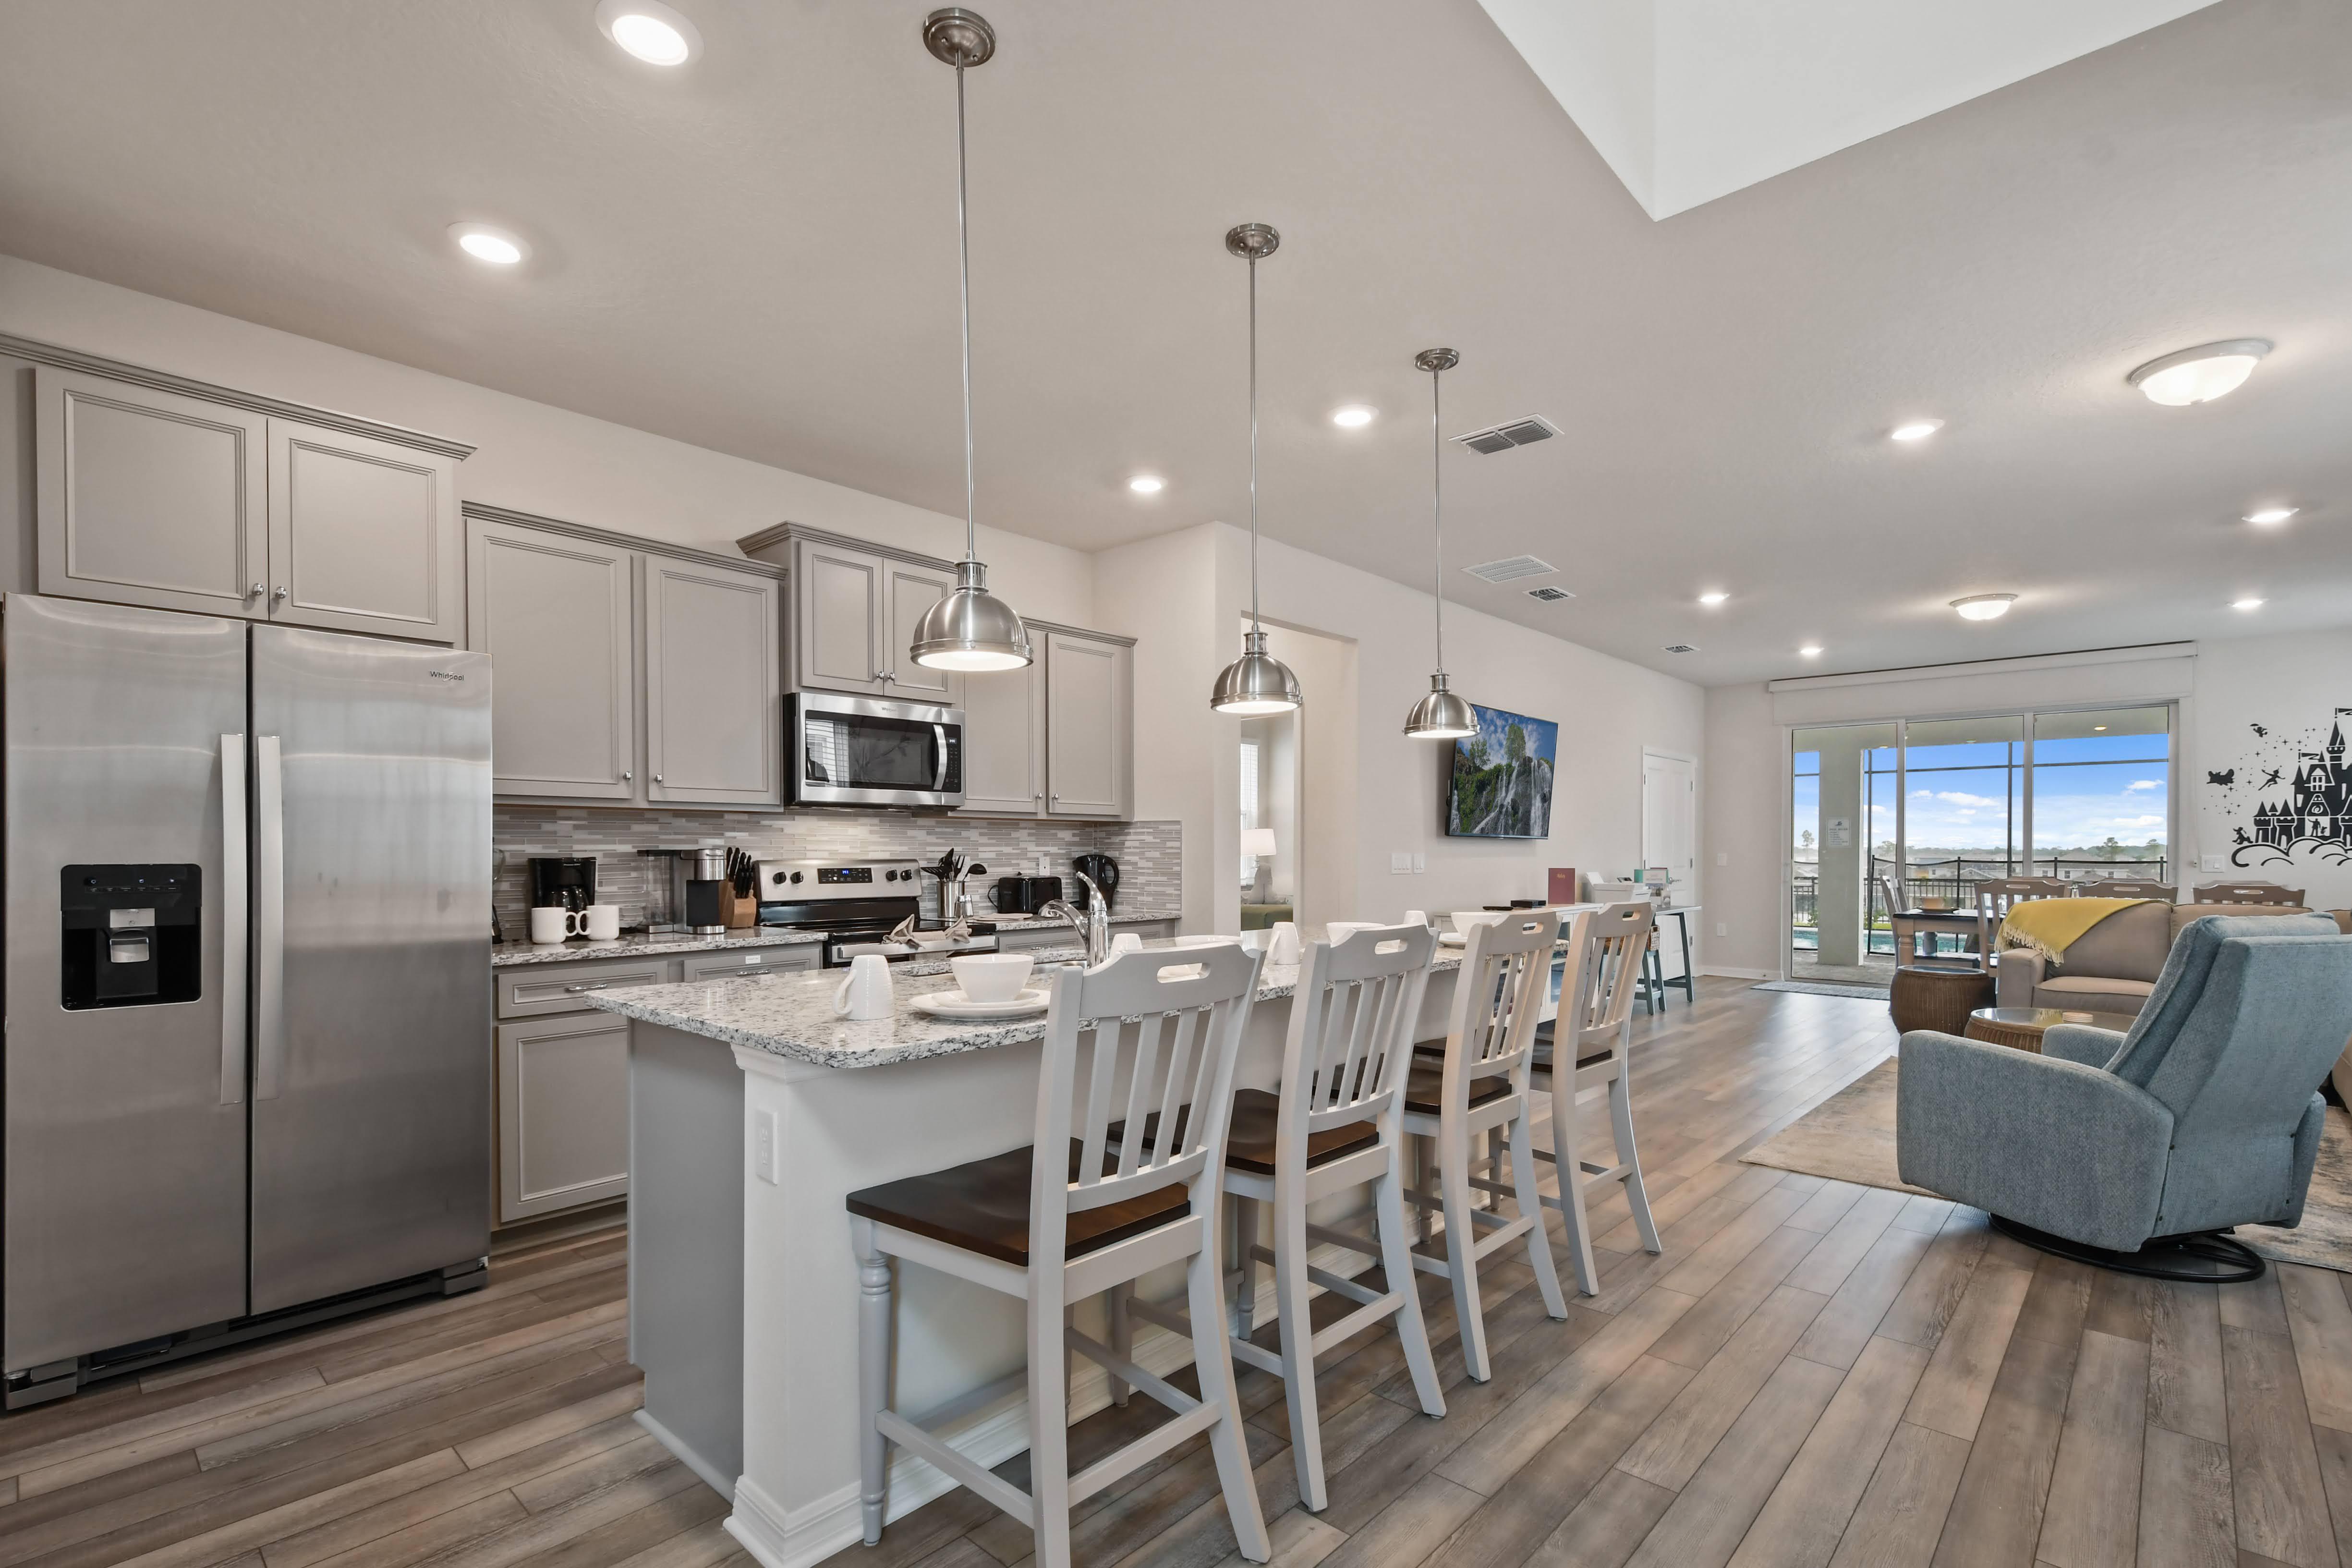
(657, 778)
(626, 775)
(257, 590)
(280, 594)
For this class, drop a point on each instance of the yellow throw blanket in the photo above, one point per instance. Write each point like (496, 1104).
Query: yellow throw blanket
(2049, 926)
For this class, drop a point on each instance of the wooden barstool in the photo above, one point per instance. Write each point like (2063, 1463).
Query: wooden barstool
(1504, 981)
(1337, 1123)
(1163, 1030)
(1592, 1034)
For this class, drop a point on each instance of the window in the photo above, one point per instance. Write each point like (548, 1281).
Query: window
(1249, 805)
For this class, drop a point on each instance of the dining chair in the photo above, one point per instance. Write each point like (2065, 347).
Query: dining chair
(2129, 888)
(1587, 1055)
(2246, 892)
(1994, 898)
(1157, 1030)
(1336, 1124)
(1481, 1086)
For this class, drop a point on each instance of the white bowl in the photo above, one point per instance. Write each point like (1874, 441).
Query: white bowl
(1465, 919)
(991, 976)
(1206, 940)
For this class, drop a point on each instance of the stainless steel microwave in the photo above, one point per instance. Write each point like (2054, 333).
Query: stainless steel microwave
(863, 750)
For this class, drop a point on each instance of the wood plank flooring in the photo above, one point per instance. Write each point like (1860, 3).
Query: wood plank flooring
(1812, 1373)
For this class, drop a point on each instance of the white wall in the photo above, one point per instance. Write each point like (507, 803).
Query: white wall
(2289, 685)
(530, 455)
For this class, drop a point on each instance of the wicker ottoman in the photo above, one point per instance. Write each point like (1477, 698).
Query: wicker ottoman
(1939, 999)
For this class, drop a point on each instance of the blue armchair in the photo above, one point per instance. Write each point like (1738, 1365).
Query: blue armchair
(2205, 1115)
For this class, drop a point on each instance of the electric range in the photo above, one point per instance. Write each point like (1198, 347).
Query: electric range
(857, 904)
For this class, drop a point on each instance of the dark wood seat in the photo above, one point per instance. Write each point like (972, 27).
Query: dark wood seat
(1424, 1084)
(1249, 1145)
(983, 1207)
(1538, 1054)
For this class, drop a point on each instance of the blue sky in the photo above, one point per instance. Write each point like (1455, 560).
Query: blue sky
(2082, 795)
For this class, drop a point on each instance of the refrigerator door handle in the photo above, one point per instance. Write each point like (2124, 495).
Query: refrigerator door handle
(234, 951)
(269, 922)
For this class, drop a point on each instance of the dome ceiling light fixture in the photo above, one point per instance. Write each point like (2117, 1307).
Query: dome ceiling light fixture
(649, 30)
(1810, 650)
(1354, 416)
(2270, 516)
(1713, 597)
(1915, 430)
(483, 243)
(1147, 484)
(1984, 606)
(969, 627)
(1257, 682)
(1441, 715)
(2199, 374)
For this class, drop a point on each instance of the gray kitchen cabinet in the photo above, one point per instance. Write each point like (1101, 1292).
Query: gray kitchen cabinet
(564, 1113)
(839, 619)
(556, 614)
(147, 497)
(714, 685)
(1004, 742)
(913, 590)
(148, 492)
(793, 959)
(364, 535)
(1089, 725)
(534, 990)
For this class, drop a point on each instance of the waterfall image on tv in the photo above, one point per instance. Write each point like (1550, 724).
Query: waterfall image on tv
(1500, 786)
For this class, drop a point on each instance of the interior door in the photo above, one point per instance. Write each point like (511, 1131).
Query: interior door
(1670, 820)
(125, 1124)
(371, 898)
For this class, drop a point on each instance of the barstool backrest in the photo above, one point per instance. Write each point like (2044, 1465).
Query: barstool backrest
(2247, 892)
(1995, 895)
(2128, 888)
(1605, 948)
(1498, 998)
(1163, 1026)
(1351, 1028)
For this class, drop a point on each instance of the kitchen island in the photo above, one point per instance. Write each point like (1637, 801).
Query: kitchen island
(753, 1113)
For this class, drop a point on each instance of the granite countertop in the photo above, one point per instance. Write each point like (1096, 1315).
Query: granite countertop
(791, 1015)
(639, 944)
(1118, 916)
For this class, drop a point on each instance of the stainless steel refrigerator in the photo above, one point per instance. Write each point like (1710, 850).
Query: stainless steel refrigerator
(248, 982)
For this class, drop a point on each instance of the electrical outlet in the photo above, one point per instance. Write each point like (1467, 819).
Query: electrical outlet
(1723, 857)
(2216, 863)
(763, 1146)
(1721, 929)
(1044, 863)
(1400, 862)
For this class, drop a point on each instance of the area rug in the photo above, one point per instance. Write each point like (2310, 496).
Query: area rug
(1850, 1136)
(1825, 988)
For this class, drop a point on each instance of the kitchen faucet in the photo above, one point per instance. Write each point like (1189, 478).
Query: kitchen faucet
(1093, 925)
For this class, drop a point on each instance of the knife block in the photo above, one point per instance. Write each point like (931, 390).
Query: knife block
(737, 913)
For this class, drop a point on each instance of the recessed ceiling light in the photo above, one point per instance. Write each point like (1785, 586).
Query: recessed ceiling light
(2199, 374)
(2247, 604)
(649, 30)
(2268, 515)
(1984, 606)
(2098, 726)
(1810, 650)
(1147, 484)
(1713, 597)
(483, 243)
(1915, 430)
(1354, 416)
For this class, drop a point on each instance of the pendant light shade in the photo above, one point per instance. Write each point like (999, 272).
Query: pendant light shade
(969, 628)
(1257, 682)
(1441, 715)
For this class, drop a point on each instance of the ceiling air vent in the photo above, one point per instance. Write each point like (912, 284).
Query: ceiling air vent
(1510, 433)
(1510, 569)
(1550, 594)
(1681, 647)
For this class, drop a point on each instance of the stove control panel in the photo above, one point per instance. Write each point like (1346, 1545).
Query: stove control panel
(796, 881)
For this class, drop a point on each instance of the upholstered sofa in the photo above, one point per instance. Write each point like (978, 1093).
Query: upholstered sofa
(2112, 967)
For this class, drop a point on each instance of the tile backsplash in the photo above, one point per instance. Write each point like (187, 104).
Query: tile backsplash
(1150, 855)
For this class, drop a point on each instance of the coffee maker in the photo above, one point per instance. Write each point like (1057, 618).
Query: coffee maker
(684, 891)
(563, 883)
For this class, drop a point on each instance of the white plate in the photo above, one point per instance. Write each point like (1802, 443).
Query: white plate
(956, 1005)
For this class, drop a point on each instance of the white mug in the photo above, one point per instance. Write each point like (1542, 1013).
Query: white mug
(1127, 941)
(601, 922)
(1416, 917)
(1284, 947)
(551, 924)
(864, 996)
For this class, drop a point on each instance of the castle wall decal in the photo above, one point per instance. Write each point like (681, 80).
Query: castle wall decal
(2308, 818)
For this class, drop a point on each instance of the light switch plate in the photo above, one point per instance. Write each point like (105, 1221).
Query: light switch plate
(1721, 929)
(1420, 863)
(763, 1146)
(1400, 862)
(1723, 857)
(2215, 863)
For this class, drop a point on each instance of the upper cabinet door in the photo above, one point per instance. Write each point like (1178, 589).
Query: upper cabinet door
(150, 497)
(1089, 726)
(913, 591)
(556, 615)
(363, 535)
(714, 686)
(1004, 742)
(839, 620)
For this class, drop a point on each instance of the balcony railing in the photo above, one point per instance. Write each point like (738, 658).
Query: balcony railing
(1951, 880)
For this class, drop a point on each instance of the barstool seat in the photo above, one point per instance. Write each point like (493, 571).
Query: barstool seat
(982, 1206)
(1257, 1117)
(1424, 1089)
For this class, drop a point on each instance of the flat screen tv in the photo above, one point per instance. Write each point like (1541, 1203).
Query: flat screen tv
(1499, 785)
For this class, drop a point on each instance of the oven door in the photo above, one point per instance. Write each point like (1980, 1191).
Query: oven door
(860, 751)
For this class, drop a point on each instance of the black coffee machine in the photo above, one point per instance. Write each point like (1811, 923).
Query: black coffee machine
(563, 881)
(1104, 872)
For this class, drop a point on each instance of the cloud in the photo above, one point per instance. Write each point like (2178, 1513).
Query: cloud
(1954, 797)
(2145, 784)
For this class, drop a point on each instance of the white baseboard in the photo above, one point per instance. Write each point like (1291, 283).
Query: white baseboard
(1727, 972)
(786, 1538)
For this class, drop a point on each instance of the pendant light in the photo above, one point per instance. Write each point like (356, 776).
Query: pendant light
(1257, 682)
(969, 627)
(1441, 715)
